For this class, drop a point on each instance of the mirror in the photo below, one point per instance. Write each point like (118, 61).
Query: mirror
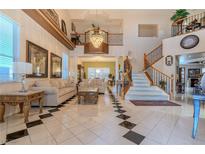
(38, 57)
(56, 66)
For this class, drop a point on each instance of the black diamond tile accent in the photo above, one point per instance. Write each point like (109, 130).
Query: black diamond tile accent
(116, 103)
(65, 102)
(60, 106)
(120, 111)
(123, 116)
(53, 110)
(134, 137)
(45, 115)
(16, 135)
(127, 124)
(119, 107)
(33, 123)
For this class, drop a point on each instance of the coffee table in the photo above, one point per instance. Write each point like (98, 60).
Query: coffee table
(23, 99)
(90, 95)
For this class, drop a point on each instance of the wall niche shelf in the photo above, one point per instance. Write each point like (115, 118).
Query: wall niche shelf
(56, 32)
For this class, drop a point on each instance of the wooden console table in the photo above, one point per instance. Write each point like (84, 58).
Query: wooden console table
(23, 99)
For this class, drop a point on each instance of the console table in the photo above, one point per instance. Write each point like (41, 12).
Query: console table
(197, 102)
(23, 99)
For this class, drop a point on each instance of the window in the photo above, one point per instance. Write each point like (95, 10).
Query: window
(65, 66)
(101, 73)
(9, 47)
(148, 30)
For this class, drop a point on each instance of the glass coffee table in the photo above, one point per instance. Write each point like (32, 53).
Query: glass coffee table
(89, 95)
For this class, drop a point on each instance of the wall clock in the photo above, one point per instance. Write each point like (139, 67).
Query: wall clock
(189, 41)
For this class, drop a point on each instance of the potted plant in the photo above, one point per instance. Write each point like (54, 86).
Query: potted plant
(162, 84)
(179, 15)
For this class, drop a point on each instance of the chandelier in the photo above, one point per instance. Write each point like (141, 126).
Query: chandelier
(96, 37)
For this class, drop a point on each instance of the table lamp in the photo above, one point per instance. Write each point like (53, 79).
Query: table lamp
(22, 68)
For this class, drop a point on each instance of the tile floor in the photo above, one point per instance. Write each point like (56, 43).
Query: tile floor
(111, 121)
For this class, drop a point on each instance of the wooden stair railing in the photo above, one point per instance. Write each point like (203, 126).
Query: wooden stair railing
(152, 57)
(155, 76)
(126, 77)
(160, 79)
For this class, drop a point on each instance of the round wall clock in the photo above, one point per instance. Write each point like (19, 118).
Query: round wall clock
(189, 41)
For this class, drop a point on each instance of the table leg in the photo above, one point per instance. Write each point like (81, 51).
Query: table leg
(26, 109)
(78, 99)
(2, 111)
(41, 102)
(21, 107)
(196, 117)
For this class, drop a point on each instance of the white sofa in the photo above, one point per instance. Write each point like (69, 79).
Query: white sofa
(94, 83)
(56, 91)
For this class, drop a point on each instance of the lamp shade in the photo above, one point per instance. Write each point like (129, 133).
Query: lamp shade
(22, 68)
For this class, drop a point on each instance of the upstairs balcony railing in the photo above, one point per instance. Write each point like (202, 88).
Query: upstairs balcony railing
(114, 39)
(188, 24)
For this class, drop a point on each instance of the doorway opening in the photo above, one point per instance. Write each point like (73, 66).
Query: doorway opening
(189, 70)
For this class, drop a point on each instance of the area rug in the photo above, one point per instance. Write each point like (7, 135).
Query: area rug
(153, 103)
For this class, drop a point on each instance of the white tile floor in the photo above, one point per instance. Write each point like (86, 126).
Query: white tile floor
(98, 124)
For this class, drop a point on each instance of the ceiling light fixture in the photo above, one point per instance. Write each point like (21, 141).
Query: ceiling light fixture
(96, 35)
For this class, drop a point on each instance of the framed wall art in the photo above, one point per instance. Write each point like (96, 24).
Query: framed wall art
(52, 16)
(63, 27)
(189, 41)
(169, 60)
(38, 57)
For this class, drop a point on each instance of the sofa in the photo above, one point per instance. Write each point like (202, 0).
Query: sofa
(94, 83)
(56, 91)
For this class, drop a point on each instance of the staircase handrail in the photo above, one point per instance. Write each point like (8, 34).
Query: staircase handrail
(152, 57)
(160, 79)
(157, 77)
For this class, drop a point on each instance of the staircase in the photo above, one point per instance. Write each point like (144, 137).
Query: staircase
(142, 89)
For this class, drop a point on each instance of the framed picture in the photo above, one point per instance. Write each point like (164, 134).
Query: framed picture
(38, 57)
(194, 73)
(56, 66)
(169, 60)
(63, 27)
(52, 16)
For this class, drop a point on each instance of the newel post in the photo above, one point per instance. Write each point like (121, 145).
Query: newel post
(145, 57)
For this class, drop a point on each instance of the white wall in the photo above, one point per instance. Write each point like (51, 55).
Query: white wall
(137, 45)
(171, 46)
(30, 30)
